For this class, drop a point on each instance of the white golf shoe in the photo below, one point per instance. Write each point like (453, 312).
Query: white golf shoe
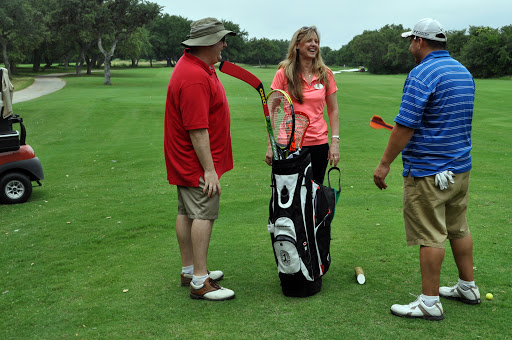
(418, 309)
(471, 296)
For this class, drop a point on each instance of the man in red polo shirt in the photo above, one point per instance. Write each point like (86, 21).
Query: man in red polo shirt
(198, 151)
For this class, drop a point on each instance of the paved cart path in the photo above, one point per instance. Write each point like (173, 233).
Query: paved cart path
(42, 85)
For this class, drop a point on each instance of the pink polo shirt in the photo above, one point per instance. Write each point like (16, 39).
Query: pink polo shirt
(315, 95)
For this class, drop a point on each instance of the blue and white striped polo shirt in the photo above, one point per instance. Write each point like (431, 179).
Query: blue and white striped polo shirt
(437, 102)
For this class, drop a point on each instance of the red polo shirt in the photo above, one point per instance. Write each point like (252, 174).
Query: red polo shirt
(195, 100)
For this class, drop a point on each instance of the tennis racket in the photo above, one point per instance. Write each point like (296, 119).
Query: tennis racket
(249, 78)
(378, 123)
(282, 117)
(301, 126)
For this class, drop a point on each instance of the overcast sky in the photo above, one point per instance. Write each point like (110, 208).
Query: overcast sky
(340, 21)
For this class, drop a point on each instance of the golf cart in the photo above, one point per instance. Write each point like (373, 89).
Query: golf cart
(18, 164)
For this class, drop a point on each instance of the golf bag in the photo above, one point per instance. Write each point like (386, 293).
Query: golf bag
(300, 215)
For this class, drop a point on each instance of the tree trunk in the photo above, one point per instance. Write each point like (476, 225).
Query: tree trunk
(108, 56)
(90, 64)
(107, 71)
(37, 60)
(48, 63)
(80, 63)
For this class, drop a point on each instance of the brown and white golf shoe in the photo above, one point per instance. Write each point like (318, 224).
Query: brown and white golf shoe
(210, 290)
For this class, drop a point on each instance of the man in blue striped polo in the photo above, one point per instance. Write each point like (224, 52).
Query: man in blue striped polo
(433, 132)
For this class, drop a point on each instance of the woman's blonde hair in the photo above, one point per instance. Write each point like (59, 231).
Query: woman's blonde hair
(291, 64)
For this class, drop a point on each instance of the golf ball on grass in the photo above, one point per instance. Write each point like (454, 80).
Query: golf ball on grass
(489, 296)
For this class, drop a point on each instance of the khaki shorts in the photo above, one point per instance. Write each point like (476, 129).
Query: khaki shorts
(196, 205)
(432, 215)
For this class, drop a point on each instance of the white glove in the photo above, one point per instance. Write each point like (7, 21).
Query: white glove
(443, 178)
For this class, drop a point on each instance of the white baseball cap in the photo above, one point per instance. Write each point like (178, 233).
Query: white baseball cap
(427, 28)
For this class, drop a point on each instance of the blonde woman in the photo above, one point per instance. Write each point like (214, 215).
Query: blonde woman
(310, 84)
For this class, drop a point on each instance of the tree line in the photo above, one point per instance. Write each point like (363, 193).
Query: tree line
(80, 31)
(485, 51)
(89, 33)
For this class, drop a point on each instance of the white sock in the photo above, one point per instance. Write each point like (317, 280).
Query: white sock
(199, 280)
(465, 285)
(188, 269)
(429, 300)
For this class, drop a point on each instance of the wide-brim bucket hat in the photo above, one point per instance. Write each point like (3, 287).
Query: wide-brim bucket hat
(206, 32)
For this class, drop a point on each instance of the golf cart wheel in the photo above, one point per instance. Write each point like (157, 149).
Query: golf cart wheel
(15, 188)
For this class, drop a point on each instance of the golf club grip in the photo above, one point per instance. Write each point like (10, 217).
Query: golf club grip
(249, 78)
(240, 73)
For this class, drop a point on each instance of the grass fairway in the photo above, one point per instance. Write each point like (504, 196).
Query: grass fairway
(93, 253)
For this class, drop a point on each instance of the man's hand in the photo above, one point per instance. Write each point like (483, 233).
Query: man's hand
(379, 176)
(211, 183)
(400, 136)
(201, 142)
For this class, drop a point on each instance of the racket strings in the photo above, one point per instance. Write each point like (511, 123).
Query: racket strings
(301, 125)
(281, 116)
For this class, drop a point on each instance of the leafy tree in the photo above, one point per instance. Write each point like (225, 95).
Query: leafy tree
(20, 24)
(278, 54)
(77, 21)
(505, 54)
(328, 55)
(482, 51)
(455, 42)
(118, 19)
(382, 51)
(46, 8)
(346, 55)
(263, 51)
(135, 46)
(367, 49)
(166, 34)
(236, 44)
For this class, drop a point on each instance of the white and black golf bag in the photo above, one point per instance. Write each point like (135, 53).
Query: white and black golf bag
(300, 216)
